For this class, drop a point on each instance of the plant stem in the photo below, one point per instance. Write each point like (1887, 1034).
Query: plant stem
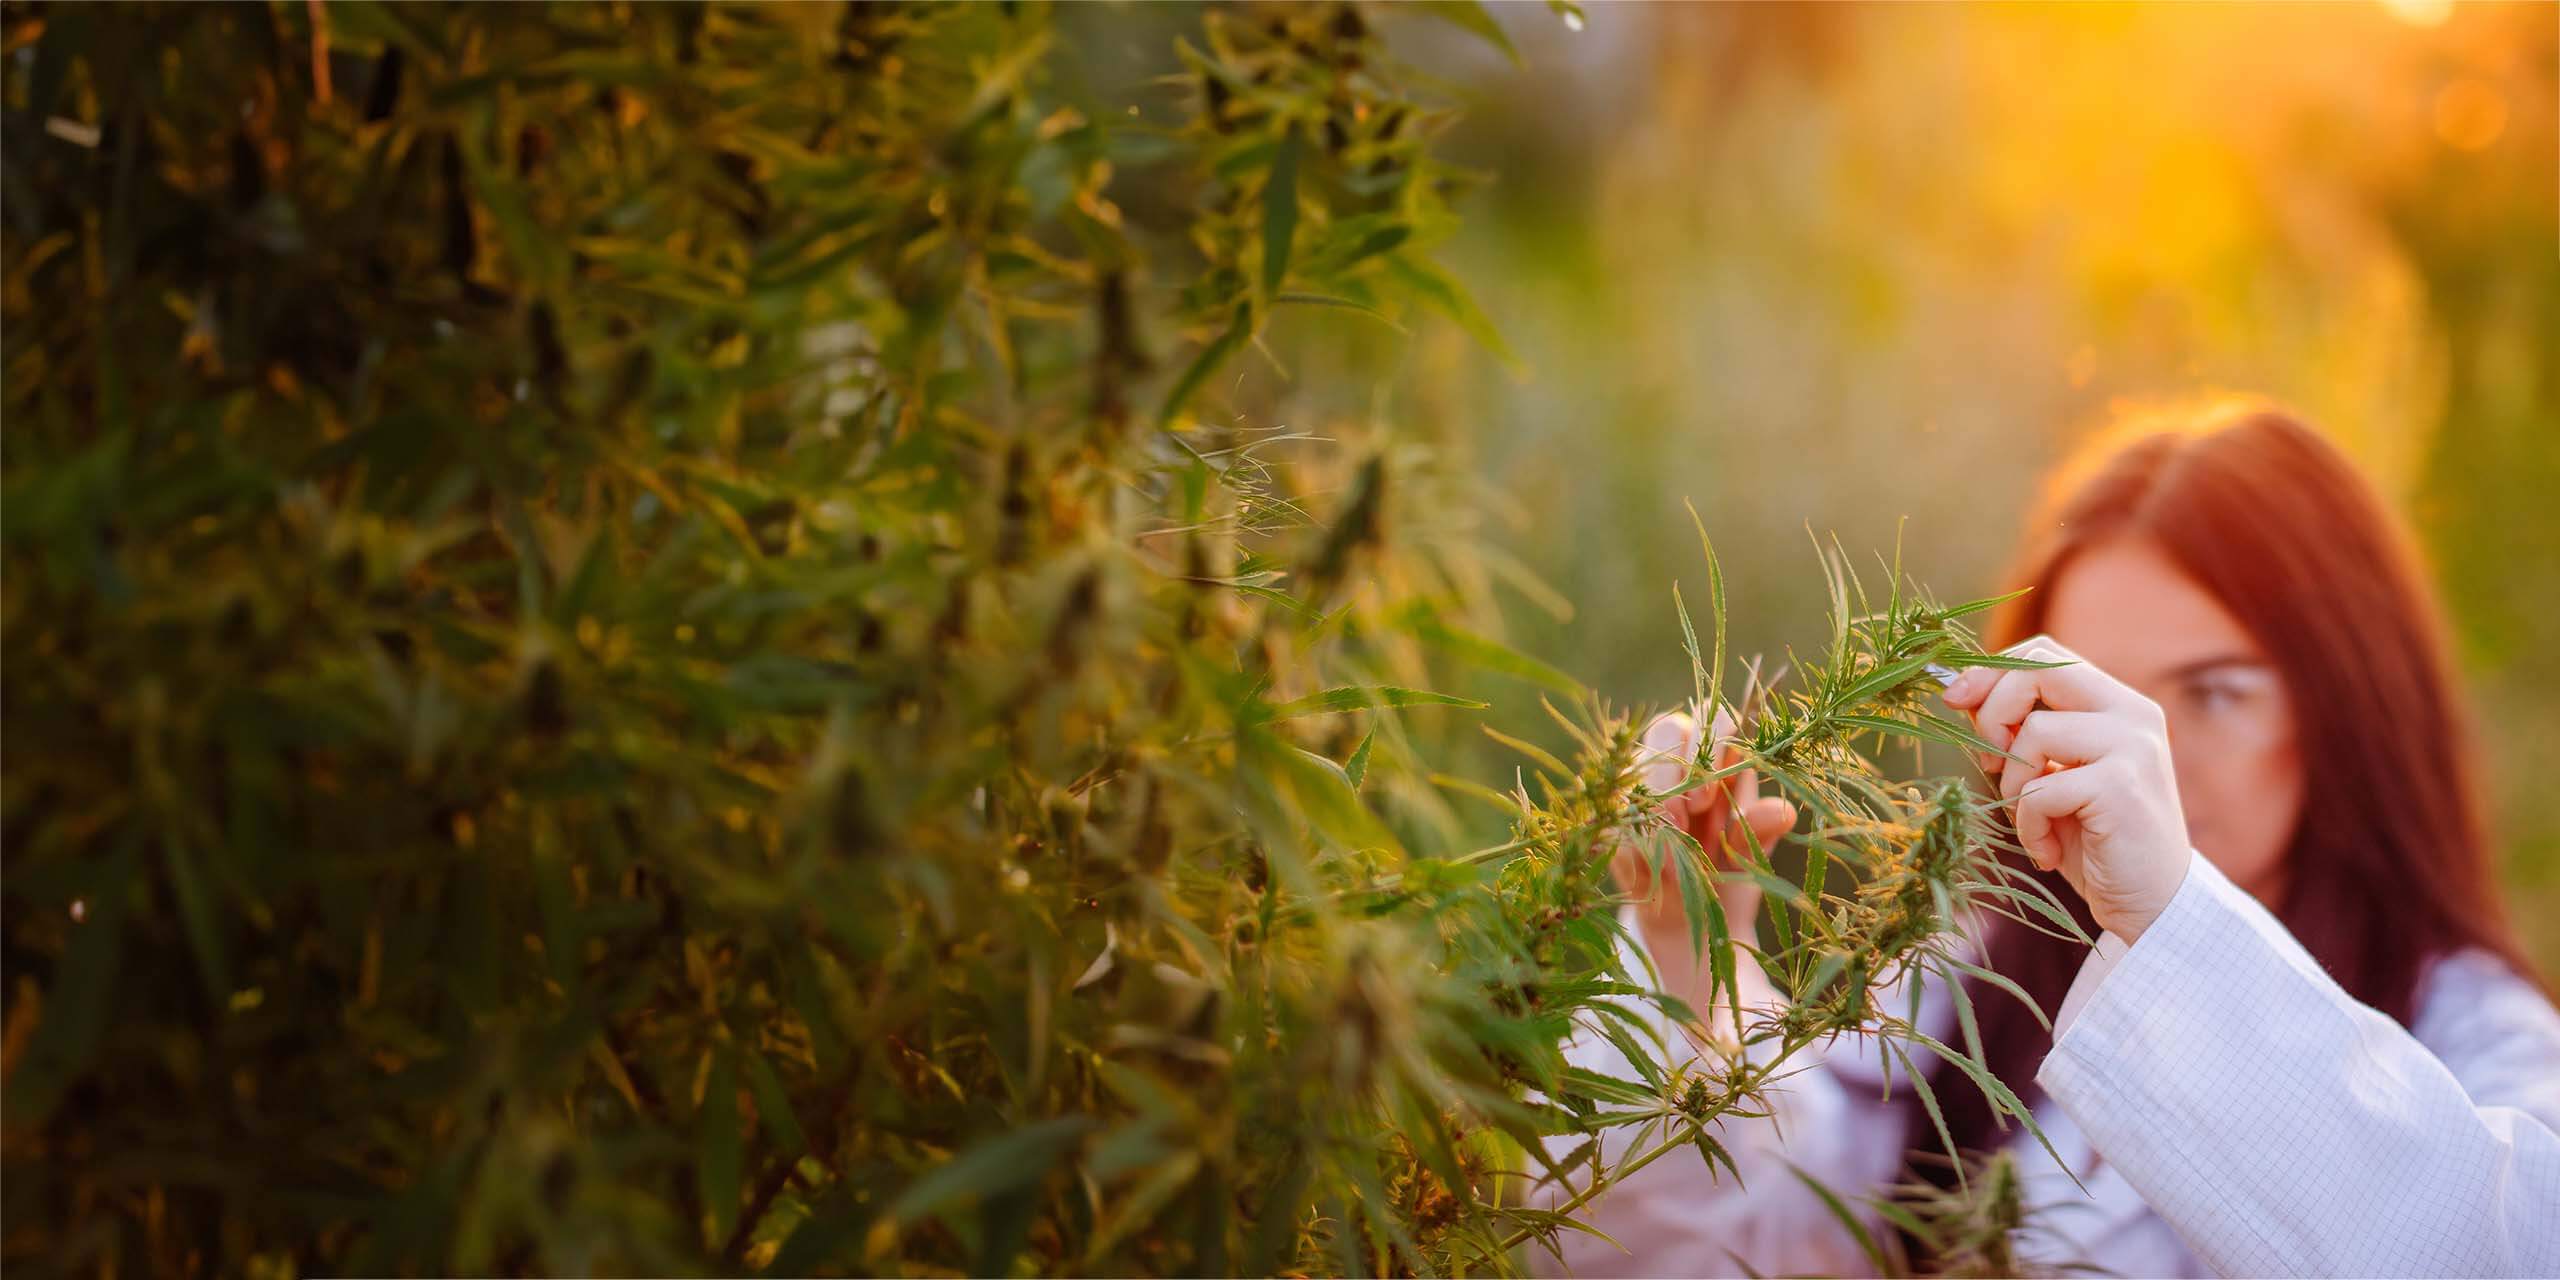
(1598, 1185)
(1392, 881)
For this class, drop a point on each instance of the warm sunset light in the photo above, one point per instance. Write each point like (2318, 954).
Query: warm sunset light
(2420, 13)
(2470, 114)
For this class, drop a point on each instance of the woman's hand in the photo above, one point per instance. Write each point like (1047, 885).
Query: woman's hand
(1707, 814)
(2094, 790)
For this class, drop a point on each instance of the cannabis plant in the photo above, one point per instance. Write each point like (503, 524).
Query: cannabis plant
(1896, 878)
(668, 638)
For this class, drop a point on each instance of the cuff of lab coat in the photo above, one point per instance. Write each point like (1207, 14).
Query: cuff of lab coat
(2109, 953)
(2110, 1006)
(2102, 961)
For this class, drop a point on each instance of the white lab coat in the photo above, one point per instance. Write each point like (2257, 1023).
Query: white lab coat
(2229, 1108)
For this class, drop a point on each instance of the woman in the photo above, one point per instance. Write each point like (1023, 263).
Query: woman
(2306, 1042)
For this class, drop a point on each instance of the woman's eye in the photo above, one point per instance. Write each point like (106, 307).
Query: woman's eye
(2228, 703)
(2216, 695)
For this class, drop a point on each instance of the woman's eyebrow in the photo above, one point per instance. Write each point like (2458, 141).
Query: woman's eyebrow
(2190, 670)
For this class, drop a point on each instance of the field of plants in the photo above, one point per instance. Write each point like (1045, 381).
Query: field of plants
(872, 638)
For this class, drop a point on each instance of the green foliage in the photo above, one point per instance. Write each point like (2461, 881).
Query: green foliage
(604, 676)
(1969, 1232)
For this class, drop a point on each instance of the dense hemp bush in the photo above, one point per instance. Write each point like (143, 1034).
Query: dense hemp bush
(641, 638)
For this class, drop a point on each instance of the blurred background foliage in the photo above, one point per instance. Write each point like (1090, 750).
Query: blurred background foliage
(505, 508)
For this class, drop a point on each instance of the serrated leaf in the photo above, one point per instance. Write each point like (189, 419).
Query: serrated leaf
(717, 1143)
(1999, 661)
(2001, 1095)
(773, 1105)
(1474, 17)
(1720, 961)
(1446, 296)
(1971, 607)
(1929, 1104)
(1325, 300)
(1007, 1160)
(1697, 661)
(1840, 1212)
(1882, 678)
(1691, 863)
(1279, 214)
(1239, 329)
(1715, 605)
(1363, 697)
(1606, 1088)
(1141, 1205)
(1492, 655)
(2005, 984)
(1357, 767)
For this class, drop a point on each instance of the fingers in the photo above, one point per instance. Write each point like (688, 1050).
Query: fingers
(1654, 896)
(2012, 696)
(1663, 756)
(1970, 684)
(2077, 686)
(1709, 817)
(1671, 742)
(1764, 821)
(2049, 739)
(1706, 813)
(2048, 818)
(1702, 811)
(1665, 750)
(1770, 820)
(2000, 700)
(2014, 693)
(1742, 790)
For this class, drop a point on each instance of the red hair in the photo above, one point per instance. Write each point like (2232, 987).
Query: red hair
(2389, 864)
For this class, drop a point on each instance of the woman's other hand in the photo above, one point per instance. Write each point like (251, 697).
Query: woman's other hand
(1707, 814)
(2095, 793)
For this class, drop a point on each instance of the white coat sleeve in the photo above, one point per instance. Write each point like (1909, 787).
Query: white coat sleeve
(2283, 1129)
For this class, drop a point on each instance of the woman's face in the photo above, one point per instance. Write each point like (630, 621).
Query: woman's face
(2123, 606)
